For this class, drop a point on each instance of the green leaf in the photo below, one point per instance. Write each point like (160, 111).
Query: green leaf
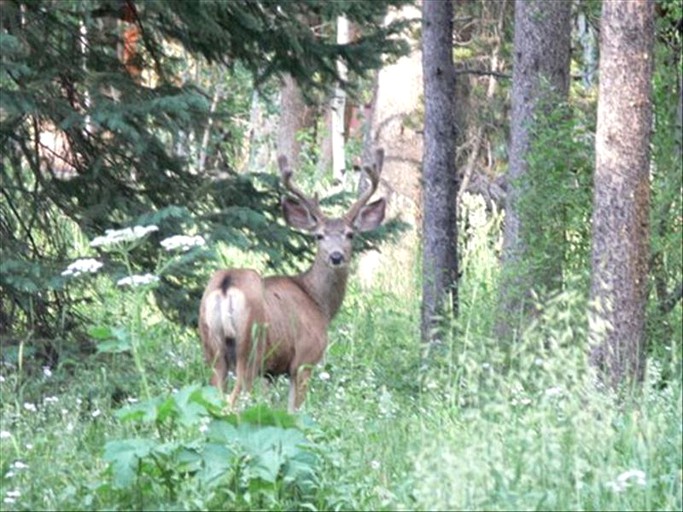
(100, 332)
(188, 407)
(145, 411)
(188, 459)
(270, 449)
(216, 460)
(166, 409)
(209, 398)
(118, 340)
(124, 457)
(222, 432)
(263, 415)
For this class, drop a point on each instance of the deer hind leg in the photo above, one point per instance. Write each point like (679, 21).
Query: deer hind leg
(220, 372)
(214, 352)
(247, 365)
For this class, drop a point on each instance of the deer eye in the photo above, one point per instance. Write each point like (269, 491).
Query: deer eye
(349, 235)
(319, 236)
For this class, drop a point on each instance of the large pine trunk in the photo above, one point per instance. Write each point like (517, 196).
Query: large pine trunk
(540, 80)
(440, 258)
(622, 190)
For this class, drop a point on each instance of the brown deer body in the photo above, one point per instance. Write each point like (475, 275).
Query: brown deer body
(278, 325)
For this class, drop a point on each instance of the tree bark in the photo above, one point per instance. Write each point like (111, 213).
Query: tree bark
(620, 250)
(338, 107)
(540, 79)
(440, 187)
(295, 116)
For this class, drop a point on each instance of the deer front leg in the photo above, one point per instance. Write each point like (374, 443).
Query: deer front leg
(298, 384)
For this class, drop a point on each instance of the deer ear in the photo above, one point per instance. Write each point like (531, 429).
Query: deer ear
(370, 216)
(297, 215)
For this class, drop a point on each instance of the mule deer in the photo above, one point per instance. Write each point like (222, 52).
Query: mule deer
(278, 325)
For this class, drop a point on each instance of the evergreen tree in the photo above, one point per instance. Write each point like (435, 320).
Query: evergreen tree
(100, 119)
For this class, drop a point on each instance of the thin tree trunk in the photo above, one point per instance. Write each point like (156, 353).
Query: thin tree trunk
(440, 257)
(206, 137)
(540, 78)
(338, 106)
(622, 191)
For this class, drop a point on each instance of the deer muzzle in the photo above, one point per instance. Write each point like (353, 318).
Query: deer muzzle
(336, 258)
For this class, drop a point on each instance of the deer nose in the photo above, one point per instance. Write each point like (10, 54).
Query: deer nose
(336, 258)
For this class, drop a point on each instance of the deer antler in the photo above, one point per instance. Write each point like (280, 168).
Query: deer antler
(310, 203)
(373, 173)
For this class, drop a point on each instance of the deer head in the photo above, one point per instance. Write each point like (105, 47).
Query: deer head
(334, 235)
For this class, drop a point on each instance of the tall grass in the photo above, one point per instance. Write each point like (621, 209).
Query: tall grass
(470, 424)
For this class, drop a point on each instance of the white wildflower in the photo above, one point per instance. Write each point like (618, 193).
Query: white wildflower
(5, 435)
(182, 242)
(30, 407)
(626, 479)
(324, 376)
(82, 266)
(137, 280)
(10, 474)
(47, 371)
(554, 391)
(96, 413)
(51, 400)
(118, 236)
(19, 465)
(632, 475)
(2, 379)
(204, 425)
(375, 465)
(11, 497)
(29, 446)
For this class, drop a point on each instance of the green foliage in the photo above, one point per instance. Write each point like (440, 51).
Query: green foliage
(88, 143)
(223, 31)
(557, 200)
(475, 426)
(666, 213)
(254, 458)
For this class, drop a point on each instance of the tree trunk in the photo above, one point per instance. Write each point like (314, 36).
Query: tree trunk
(540, 79)
(295, 116)
(440, 257)
(338, 107)
(622, 191)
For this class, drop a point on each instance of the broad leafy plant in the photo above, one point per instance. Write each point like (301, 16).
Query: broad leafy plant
(248, 459)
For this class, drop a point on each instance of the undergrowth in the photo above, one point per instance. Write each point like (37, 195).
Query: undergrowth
(467, 424)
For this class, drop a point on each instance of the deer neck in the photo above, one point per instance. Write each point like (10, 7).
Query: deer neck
(326, 286)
